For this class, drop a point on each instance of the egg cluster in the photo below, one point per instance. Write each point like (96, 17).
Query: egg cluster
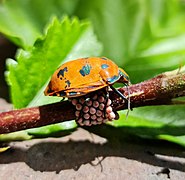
(94, 108)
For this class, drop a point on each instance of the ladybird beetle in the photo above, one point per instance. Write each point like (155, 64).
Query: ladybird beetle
(78, 79)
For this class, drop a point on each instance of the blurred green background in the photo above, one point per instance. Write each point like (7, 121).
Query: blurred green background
(144, 37)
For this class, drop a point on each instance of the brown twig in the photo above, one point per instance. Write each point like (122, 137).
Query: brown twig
(159, 90)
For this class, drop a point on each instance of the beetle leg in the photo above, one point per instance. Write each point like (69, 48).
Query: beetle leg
(62, 99)
(124, 97)
(106, 101)
(118, 92)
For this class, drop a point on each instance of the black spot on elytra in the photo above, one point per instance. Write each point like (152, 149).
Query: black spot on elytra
(68, 83)
(61, 72)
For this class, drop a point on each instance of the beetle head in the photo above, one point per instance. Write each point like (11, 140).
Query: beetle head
(124, 78)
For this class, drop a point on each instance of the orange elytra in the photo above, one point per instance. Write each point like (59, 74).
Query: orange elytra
(82, 76)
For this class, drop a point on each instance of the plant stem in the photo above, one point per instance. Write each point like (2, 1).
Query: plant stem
(159, 90)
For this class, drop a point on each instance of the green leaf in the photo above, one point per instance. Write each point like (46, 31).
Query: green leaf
(59, 129)
(15, 136)
(154, 122)
(55, 130)
(22, 21)
(145, 37)
(65, 40)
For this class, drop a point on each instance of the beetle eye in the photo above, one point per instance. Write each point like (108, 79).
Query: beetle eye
(124, 76)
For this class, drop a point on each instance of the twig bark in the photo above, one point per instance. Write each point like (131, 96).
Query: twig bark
(159, 90)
